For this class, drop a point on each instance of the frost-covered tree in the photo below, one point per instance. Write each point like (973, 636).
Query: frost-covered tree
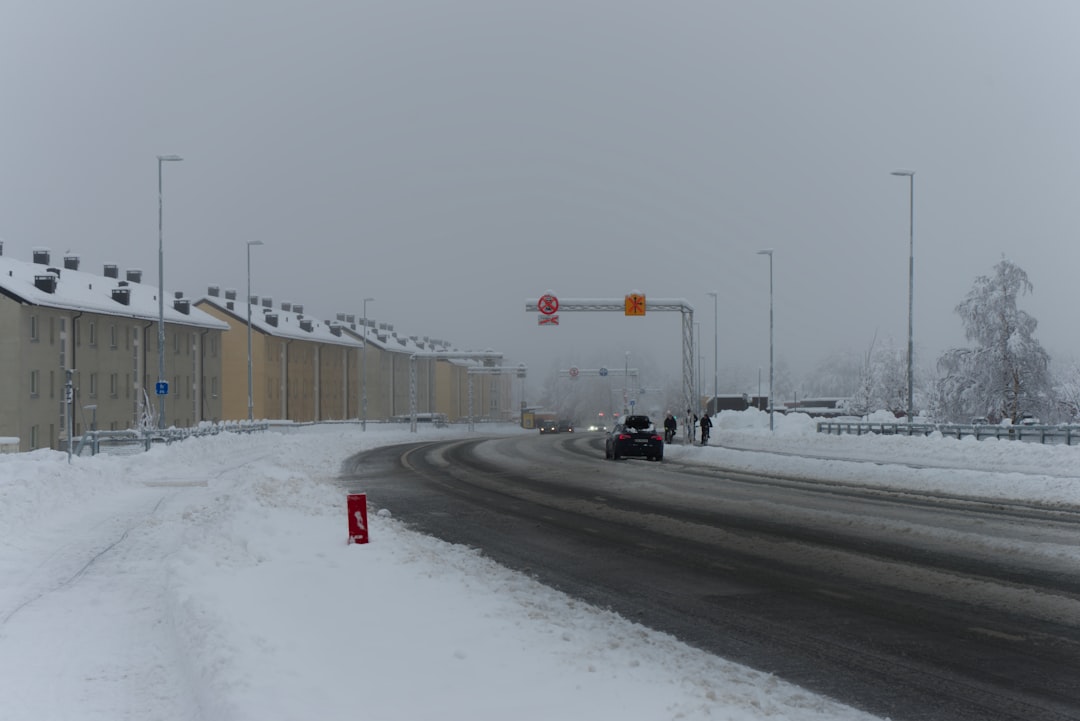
(882, 380)
(1004, 374)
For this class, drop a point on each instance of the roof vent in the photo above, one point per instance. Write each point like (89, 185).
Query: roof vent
(341, 316)
(214, 291)
(183, 306)
(307, 325)
(253, 300)
(286, 306)
(41, 257)
(112, 271)
(230, 305)
(336, 330)
(122, 295)
(268, 302)
(71, 262)
(178, 294)
(271, 319)
(230, 294)
(134, 275)
(55, 271)
(298, 309)
(46, 283)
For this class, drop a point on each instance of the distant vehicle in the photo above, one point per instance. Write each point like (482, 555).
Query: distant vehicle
(548, 426)
(980, 421)
(635, 436)
(597, 427)
(1028, 420)
(565, 427)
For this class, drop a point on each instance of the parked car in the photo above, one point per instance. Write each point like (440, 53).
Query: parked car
(980, 421)
(635, 436)
(1028, 419)
(565, 427)
(548, 426)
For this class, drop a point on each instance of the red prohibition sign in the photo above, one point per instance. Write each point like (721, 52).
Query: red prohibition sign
(548, 304)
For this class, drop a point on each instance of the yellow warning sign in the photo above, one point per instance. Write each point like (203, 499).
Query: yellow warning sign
(635, 304)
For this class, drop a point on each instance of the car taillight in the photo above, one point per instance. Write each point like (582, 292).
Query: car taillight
(623, 437)
(657, 437)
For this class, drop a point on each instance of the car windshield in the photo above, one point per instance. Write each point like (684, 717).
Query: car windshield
(638, 423)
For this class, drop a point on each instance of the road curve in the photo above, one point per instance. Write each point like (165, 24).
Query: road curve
(909, 606)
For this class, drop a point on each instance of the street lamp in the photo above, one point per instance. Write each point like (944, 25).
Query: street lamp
(363, 372)
(772, 399)
(910, 174)
(715, 347)
(251, 399)
(161, 288)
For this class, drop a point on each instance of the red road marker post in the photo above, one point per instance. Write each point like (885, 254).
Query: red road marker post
(358, 527)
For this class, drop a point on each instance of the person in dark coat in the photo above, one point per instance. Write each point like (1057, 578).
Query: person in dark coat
(669, 427)
(706, 424)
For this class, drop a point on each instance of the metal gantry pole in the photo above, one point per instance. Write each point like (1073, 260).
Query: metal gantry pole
(716, 345)
(161, 285)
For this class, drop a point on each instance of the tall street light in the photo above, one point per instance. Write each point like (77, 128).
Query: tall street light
(910, 174)
(363, 372)
(715, 347)
(251, 397)
(161, 288)
(772, 400)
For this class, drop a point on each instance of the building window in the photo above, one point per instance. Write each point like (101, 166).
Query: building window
(34, 329)
(213, 387)
(34, 382)
(113, 337)
(52, 384)
(93, 385)
(52, 331)
(114, 380)
(92, 328)
(176, 343)
(33, 437)
(127, 385)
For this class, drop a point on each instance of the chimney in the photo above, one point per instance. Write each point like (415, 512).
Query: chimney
(253, 300)
(271, 319)
(268, 302)
(214, 291)
(336, 330)
(71, 262)
(183, 306)
(230, 294)
(298, 309)
(112, 271)
(41, 256)
(178, 294)
(230, 305)
(122, 295)
(307, 325)
(45, 282)
(286, 306)
(1, 247)
(134, 275)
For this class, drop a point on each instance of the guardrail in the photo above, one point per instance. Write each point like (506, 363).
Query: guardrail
(133, 439)
(1063, 434)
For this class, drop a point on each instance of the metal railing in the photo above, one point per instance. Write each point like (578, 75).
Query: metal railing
(133, 439)
(1063, 434)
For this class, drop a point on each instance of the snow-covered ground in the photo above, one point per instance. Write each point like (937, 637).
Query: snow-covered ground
(210, 579)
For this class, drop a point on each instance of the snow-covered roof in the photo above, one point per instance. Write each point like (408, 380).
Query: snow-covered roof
(52, 285)
(292, 323)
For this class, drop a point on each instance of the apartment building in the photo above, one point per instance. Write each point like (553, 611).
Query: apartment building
(99, 332)
(302, 369)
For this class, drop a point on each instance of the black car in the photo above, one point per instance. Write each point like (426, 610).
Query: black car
(566, 426)
(549, 426)
(635, 436)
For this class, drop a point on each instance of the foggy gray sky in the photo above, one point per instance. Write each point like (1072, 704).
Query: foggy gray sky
(452, 159)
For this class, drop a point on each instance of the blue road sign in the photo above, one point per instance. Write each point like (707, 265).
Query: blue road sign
(603, 371)
(161, 388)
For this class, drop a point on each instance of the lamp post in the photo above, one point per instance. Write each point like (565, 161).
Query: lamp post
(161, 287)
(910, 174)
(715, 348)
(251, 396)
(772, 401)
(363, 372)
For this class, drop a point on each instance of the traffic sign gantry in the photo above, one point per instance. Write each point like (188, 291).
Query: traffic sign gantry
(635, 304)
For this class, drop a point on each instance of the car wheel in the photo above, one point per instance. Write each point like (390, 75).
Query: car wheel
(615, 454)
(607, 452)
